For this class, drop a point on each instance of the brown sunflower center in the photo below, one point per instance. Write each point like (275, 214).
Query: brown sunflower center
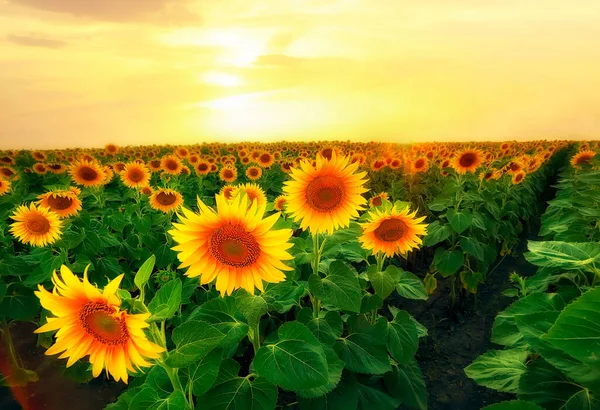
(55, 167)
(166, 198)
(136, 175)
(420, 163)
(519, 177)
(390, 230)
(38, 225)
(202, 167)
(325, 193)
(377, 201)
(467, 159)
(99, 322)
(88, 173)
(514, 166)
(233, 246)
(253, 172)
(171, 165)
(327, 153)
(265, 158)
(59, 202)
(584, 159)
(228, 174)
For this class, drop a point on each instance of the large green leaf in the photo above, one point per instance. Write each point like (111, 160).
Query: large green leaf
(564, 255)
(240, 393)
(436, 233)
(364, 350)
(410, 286)
(334, 367)
(383, 282)
(326, 328)
(513, 405)
(406, 383)
(402, 338)
(339, 288)
(373, 395)
(448, 262)
(473, 247)
(344, 396)
(296, 361)
(150, 399)
(577, 329)
(19, 303)
(203, 374)
(498, 369)
(193, 339)
(459, 220)
(166, 301)
(252, 307)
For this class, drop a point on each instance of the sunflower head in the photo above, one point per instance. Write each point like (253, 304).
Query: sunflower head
(202, 168)
(253, 191)
(392, 230)
(280, 202)
(467, 160)
(233, 245)
(166, 200)
(64, 203)
(419, 165)
(135, 175)
(171, 164)
(39, 168)
(518, 177)
(88, 173)
(228, 174)
(111, 149)
(253, 173)
(37, 226)
(325, 196)
(582, 158)
(4, 186)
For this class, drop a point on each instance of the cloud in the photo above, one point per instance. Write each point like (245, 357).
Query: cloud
(117, 10)
(35, 41)
(278, 60)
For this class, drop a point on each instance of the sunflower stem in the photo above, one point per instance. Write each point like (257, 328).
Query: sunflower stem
(255, 338)
(318, 250)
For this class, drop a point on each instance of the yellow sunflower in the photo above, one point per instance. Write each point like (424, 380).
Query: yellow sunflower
(419, 165)
(467, 160)
(228, 174)
(87, 173)
(377, 200)
(227, 191)
(253, 173)
(202, 168)
(64, 203)
(583, 157)
(279, 202)
(37, 226)
(233, 245)
(518, 177)
(166, 200)
(253, 191)
(392, 231)
(4, 186)
(171, 164)
(326, 196)
(111, 149)
(90, 322)
(39, 168)
(135, 175)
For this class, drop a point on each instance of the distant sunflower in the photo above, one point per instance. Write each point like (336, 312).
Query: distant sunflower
(490, 174)
(392, 232)
(7, 172)
(419, 165)
(166, 200)
(518, 177)
(64, 203)
(467, 160)
(254, 192)
(377, 200)
(265, 159)
(90, 322)
(36, 226)
(154, 165)
(56, 168)
(202, 168)
(147, 190)
(280, 202)
(227, 191)
(582, 158)
(119, 166)
(111, 149)
(253, 173)
(4, 186)
(228, 174)
(171, 164)
(326, 196)
(87, 173)
(135, 175)
(233, 245)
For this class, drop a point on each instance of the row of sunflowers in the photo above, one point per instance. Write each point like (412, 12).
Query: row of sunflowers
(288, 253)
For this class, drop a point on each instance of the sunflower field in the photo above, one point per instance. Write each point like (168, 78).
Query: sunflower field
(321, 275)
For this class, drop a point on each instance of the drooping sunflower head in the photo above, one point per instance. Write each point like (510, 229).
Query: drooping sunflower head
(253, 173)
(392, 231)
(4, 186)
(326, 196)
(233, 245)
(87, 173)
(135, 175)
(467, 160)
(228, 174)
(90, 322)
(64, 203)
(377, 200)
(253, 191)
(518, 177)
(280, 202)
(582, 158)
(166, 200)
(36, 226)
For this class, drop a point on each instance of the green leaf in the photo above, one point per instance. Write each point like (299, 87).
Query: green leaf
(372, 395)
(241, 393)
(439, 204)
(334, 367)
(252, 307)
(19, 303)
(339, 288)
(513, 405)
(370, 302)
(564, 255)
(364, 351)
(203, 374)
(296, 361)
(344, 396)
(410, 286)
(225, 316)
(473, 247)
(406, 383)
(459, 220)
(402, 338)
(143, 274)
(166, 301)
(193, 340)
(327, 328)
(436, 233)
(430, 283)
(383, 282)
(149, 399)
(448, 262)
(498, 369)
(577, 329)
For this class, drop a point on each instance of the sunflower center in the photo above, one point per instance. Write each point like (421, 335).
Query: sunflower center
(233, 246)
(325, 193)
(203, 167)
(390, 230)
(98, 321)
(377, 201)
(166, 198)
(171, 165)
(264, 158)
(253, 172)
(59, 202)
(584, 159)
(228, 174)
(420, 163)
(467, 159)
(88, 173)
(136, 175)
(514, 166)
(38, 225)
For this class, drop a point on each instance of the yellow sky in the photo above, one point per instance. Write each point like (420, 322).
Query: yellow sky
(84, 73)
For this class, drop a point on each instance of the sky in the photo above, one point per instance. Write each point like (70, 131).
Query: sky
(86, 73)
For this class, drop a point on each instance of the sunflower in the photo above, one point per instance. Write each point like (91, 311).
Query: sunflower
(7, 172)
(39, 168)
(64, 203)
(280, 202)
(37, 226)
(419, 165)
(4, 186)
(518, 177)
(90, 322)
(467, 160)
(135, 175)
(154, 165)
(265, 159)
(227, 191)
(171, 164)
(202, 168)
(253, 191)
(111, 149)
(233, 245)
(392, 231)
(166, 200)
(228, 174)
(377, 200)
(326, 196)
(147, 190)
(253, 173)
(56, 168)
(583, 157)
(87, 173)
